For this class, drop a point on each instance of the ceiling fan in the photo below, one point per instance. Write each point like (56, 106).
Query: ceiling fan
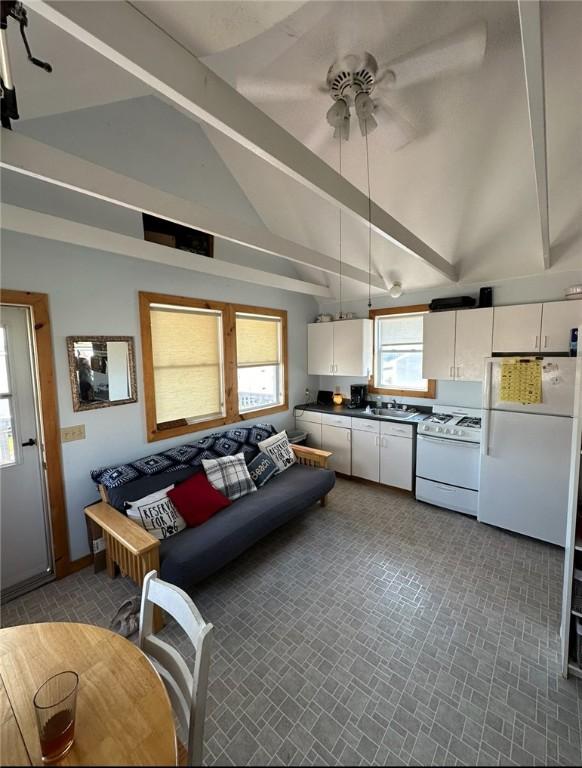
(356, 81)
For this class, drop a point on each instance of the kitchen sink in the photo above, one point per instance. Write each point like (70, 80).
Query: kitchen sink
(394, 413)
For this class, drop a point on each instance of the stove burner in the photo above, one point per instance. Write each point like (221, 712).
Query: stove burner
(470, 421)
(439, 418)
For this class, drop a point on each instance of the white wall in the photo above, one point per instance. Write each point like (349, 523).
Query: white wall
(92, 292)
(547, 287)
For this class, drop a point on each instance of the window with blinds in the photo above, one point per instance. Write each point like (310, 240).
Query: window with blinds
(259, 361)
(187, 363)
(209, 363)
(398, 352)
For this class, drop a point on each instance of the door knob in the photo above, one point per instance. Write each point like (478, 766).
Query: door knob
(30, 441)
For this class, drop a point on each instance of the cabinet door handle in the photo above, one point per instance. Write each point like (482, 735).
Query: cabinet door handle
(349, 436)
(459, 372)
(545, 342)
(452, 372)
(536, 342)
(330, 368)
(377, 441)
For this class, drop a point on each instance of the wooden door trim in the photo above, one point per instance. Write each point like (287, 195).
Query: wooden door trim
(39, 305)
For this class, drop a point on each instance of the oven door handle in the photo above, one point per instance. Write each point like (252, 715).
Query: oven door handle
(448, 441)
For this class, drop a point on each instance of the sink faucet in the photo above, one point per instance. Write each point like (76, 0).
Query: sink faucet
(394, 403)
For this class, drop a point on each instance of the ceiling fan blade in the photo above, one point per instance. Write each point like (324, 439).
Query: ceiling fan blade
(263, 90)
(397, 131)
(462, 50)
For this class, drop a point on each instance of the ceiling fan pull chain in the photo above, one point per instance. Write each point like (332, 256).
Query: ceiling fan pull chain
(369, 219)
(341, 313)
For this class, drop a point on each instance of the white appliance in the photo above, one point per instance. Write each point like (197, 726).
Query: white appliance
(525, 452)
(447, 459)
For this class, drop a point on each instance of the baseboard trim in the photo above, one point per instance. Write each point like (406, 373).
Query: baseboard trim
(78, 565)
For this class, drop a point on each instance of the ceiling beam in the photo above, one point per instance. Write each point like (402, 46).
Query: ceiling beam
(129, 39)
(27, 222)
(533, 63)
(40, 161)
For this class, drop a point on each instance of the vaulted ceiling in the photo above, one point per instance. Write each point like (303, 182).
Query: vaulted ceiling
(464, 184)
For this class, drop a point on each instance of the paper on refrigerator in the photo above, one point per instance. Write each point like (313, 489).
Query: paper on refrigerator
(521, 381)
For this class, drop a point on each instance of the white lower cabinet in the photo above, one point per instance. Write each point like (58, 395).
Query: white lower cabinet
(396, 455)
(338, 440)
(312, 430)
(366, 449)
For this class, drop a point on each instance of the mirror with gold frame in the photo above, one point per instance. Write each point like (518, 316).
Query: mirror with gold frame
(102, 371)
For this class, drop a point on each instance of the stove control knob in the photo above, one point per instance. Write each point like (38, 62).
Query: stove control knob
(460, 432)
(439, 429)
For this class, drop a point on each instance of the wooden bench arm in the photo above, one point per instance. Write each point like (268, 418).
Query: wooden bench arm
(311, 457)
(130, 535)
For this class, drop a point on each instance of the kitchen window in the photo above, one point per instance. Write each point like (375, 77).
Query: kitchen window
(398, 346)
(208, 363)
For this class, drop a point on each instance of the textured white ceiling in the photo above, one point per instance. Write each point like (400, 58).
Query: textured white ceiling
(465, 184)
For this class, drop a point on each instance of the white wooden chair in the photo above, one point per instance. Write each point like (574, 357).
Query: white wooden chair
(187, 690)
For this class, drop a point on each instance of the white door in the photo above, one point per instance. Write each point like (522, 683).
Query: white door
(558, 388)
(558, 319)
(26, 544)
(320, 349)
(352, 347)
(438, 350)
(524, 474)
(473, 340)
(366, 454)
(517, 328)
(313, 432)
(338, 440)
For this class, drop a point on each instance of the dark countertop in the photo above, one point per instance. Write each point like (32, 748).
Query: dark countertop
(359, 413)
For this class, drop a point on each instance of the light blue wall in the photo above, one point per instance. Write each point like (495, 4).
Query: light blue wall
(92, 292)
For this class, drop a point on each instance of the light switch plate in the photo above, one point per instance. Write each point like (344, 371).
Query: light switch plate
(68, 434)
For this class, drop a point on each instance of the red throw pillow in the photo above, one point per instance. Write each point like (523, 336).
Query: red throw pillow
(196, 500)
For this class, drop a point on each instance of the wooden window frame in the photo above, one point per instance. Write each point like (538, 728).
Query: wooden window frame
(232, 414)
(431, 385)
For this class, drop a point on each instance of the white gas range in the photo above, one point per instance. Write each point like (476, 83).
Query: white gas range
(447, 459)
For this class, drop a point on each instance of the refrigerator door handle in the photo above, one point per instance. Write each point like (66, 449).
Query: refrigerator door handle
(485, 433)
(487, 385)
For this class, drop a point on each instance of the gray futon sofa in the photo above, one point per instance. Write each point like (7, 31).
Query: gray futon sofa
(193, 554)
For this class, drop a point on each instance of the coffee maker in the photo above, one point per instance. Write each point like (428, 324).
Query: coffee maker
(358, 396)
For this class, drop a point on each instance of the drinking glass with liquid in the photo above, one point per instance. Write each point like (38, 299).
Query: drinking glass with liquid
(54, 704)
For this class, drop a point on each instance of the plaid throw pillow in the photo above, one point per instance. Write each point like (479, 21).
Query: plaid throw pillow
(229, 475)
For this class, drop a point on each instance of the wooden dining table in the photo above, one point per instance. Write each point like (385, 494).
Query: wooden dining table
(124, 715)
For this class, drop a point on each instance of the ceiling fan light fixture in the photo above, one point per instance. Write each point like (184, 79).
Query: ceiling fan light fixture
(396, 289)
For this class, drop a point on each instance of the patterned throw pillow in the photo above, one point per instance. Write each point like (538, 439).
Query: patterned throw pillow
(156, 514)
(230, 476)
(261, 469)
(279, 449)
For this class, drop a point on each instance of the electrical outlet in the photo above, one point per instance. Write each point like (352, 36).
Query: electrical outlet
(68, 434)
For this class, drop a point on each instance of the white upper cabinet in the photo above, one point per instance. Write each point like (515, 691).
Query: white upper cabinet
(474, 331)
(456, 343)
(558, 319)
(438, 351)
(517, 328)
(343, 348)
(320, 349)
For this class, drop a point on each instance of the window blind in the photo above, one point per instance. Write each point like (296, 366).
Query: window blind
(187, 358)
(405, 330)
(257, 340)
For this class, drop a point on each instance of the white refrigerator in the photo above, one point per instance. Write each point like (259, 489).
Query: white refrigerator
(525, 453)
